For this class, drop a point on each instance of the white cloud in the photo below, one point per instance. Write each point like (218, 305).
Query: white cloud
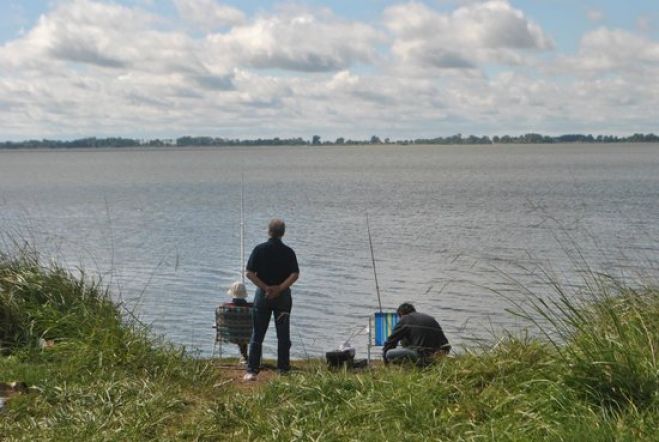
(477, 33)
(208, 14)
(100, 35)
(101, 38)
(93, 67)
(605, 50)
(301, 41)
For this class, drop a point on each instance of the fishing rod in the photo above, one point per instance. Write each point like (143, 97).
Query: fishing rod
(242, 228)
(375, 274)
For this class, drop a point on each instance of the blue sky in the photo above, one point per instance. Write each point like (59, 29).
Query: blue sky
(269, 68)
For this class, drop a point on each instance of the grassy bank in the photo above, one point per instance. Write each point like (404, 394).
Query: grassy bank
(595, 378)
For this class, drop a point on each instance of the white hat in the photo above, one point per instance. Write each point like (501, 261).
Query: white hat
(237, 290)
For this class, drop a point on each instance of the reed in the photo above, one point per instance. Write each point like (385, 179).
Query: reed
(607, 335)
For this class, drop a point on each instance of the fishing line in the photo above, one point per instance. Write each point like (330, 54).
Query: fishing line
(357, 331)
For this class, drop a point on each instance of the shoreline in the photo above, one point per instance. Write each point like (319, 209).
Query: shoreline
(322, 146)
(139, 148)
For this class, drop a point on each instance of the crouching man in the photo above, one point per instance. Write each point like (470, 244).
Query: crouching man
(420, 335)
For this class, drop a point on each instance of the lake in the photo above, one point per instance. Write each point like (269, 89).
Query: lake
(455, 229)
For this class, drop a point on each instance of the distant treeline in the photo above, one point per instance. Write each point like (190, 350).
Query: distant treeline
(188, 141)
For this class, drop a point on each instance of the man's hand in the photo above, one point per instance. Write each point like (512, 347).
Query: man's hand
(269, 290)
(273, 291)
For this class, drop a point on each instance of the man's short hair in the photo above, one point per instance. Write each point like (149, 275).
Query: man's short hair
(276, 228)
(405, 309)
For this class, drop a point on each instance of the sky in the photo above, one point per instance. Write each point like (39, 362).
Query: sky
(342, 68)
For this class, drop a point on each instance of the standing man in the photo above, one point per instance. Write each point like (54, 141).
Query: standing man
(273, 268)
(420, 335)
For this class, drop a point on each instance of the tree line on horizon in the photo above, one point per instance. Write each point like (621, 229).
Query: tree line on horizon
(190, 141)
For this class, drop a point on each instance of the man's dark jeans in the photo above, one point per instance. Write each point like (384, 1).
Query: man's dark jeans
(263, 309)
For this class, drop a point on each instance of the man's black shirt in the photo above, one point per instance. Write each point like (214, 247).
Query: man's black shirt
(273, 261)
(419, 332)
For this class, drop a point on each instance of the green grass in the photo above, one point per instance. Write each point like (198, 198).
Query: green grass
(104, 379)
(594, 377)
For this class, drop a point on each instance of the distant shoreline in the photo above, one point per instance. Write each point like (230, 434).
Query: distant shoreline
(316, 141)
(310, 147)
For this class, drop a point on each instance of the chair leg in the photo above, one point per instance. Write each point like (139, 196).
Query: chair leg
(368, 345)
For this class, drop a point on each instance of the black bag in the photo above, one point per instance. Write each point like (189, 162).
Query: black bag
(338, 358)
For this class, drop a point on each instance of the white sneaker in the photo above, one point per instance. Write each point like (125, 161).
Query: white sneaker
(242, 361)
(249, 377)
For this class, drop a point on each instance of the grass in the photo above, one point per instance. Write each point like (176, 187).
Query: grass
(104, 379)
(594, 377)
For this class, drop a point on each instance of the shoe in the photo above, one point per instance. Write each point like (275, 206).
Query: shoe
(249, 377)
(242, 361)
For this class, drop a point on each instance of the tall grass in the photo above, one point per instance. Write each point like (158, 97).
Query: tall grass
(594, 377)
(41, 304)
(103, 373)
(608, 337)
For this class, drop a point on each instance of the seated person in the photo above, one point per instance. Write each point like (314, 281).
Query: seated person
(239, 294)
(420, 336)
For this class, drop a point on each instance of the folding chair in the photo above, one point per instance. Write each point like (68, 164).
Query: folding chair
(380, 326)
(233, 324)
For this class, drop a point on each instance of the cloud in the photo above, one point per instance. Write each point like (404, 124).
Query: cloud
(208, 14)
(101, 35)
(109, 37)
(473, 34)
(94, 67)
(97, 67)
(298, 41)
(605, 50)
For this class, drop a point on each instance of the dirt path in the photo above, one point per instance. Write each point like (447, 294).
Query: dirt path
(232, 372)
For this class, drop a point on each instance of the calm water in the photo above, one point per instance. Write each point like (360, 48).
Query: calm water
(451, 226)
